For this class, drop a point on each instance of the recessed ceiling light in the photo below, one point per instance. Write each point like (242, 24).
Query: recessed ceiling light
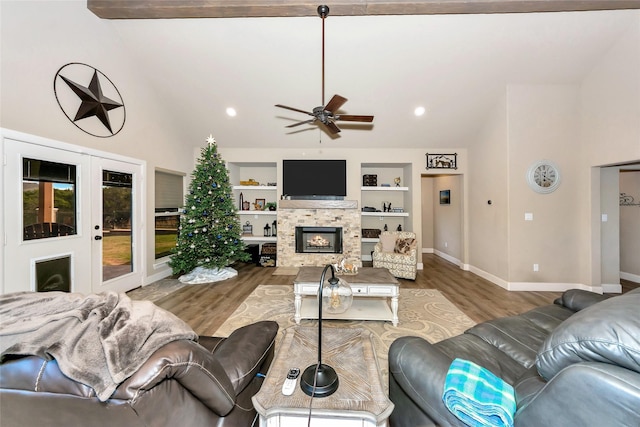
(231, 112)
(419, 111)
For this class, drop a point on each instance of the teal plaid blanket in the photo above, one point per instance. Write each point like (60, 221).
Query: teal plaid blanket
(478, 397)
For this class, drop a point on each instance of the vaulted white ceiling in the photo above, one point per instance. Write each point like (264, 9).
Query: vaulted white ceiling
(456, 66)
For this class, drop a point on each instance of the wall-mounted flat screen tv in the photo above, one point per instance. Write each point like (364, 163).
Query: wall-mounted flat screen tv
(314, 179)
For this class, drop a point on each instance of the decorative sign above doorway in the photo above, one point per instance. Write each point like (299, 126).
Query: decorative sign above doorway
(442, 161)
(98, 108)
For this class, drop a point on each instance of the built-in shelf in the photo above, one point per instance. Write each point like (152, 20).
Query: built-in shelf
(259, 238)
(267, 212)
(318, 204)
(371, 188)
(255, 187)
(382, 214)
(370, 240)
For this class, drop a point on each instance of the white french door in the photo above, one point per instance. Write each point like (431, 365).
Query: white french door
(116, 225)
(58, 233)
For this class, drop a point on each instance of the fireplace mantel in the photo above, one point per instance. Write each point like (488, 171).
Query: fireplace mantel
(318, 204)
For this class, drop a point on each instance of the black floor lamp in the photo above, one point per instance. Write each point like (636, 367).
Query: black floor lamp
(321, 380)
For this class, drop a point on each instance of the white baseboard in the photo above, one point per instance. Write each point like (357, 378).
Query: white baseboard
(535, 286)
(448, 257)
(631, 277)
(490, 277)
(551, 287)
(611, 288)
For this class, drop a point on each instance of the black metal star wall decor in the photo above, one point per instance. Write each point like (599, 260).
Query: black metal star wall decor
(93, 102)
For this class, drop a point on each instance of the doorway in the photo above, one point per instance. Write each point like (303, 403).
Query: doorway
(58, 209)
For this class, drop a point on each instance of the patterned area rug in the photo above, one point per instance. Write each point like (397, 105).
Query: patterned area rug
(422, 312)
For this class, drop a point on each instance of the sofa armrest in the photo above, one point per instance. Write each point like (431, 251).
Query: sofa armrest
(579, 299)
(589, 393)
(244, 352)
(192, 366)
(420, 370)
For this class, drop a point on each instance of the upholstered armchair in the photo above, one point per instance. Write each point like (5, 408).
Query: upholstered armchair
(396, 251)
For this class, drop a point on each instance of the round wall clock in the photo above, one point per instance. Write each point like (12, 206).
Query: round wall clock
(89, 99)
(543, 176)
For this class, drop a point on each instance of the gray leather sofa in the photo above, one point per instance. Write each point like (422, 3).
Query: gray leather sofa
(184, 383)
(572, 363)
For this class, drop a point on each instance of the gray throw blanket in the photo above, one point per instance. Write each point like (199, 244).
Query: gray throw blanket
(98, 340)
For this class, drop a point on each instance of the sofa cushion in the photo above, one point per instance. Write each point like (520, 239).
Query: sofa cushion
(607, 332)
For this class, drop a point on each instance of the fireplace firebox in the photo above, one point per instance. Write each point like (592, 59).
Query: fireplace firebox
(310, 240)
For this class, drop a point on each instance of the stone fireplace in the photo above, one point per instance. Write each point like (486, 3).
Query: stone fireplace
(325, 216)
(315, 240)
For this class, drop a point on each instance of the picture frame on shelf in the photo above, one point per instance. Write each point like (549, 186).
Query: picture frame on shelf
(445, 197)
(259, 204)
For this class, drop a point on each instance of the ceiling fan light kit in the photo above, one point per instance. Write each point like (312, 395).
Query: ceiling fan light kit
(327, 115)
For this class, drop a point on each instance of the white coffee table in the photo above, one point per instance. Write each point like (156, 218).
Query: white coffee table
(375, 295)
(359, 401)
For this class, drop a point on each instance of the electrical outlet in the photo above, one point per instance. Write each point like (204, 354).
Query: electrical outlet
(446, 244)
(536, 267)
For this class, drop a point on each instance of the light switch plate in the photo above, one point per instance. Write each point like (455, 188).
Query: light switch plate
(528, 216)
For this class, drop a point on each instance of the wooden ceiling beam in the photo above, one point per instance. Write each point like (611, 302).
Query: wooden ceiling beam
(168, 9)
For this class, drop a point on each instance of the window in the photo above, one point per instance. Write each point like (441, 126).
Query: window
(168, 200)
(48, 199)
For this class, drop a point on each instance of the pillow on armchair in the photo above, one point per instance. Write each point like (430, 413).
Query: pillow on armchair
(388, 242)
(404, 246)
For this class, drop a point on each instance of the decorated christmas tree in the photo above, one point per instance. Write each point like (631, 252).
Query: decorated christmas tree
(209, 232)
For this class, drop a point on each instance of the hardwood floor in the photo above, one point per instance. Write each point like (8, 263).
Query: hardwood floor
(206, 307)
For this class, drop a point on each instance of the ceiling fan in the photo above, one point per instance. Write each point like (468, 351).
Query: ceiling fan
(327, 114)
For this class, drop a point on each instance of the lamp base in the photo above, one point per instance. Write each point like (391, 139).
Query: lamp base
(326, 381)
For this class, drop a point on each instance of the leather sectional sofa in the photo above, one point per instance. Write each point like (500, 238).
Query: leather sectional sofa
(184, 383)
(573, 363)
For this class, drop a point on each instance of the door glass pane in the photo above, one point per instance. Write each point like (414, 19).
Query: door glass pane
(116, 224)
(166, 234)
(48, 199)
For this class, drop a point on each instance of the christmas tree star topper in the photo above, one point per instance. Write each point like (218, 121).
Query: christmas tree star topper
(211, 140)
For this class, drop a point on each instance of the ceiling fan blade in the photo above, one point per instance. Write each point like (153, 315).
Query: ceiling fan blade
(335, 103)
(332, 127)
(294, 109)
(353, 118)
(301, 123)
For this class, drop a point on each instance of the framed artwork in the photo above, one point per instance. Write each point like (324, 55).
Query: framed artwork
(442, 161)
(259, 204)
(445, 197)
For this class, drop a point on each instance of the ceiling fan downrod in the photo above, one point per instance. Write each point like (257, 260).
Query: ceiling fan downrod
(323, 11)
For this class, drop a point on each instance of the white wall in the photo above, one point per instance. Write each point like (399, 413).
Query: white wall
(543, 124)
(488, 223)
(40, 37)
(427, 214)
(448, 219)
(610, 134)
(579, 127)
